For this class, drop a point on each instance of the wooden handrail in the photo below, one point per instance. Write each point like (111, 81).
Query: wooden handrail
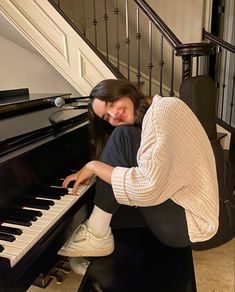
(217, 41)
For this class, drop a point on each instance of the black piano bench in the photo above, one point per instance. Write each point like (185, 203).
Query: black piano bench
(140, 263)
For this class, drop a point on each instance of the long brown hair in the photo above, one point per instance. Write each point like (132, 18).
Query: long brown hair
(110, 90)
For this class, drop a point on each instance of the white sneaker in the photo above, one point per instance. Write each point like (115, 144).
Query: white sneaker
(79, 265)
(84, 243)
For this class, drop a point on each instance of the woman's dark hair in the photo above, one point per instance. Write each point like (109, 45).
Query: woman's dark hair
(110, 90)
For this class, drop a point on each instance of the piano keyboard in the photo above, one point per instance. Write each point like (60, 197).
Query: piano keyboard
(30, 235)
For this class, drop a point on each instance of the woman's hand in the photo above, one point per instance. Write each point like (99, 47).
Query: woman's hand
(102, 170)
(84, 176)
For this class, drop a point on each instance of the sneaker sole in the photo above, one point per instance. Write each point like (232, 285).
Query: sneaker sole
(87, 253)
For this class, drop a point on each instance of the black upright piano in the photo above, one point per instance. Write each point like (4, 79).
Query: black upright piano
(40, 144)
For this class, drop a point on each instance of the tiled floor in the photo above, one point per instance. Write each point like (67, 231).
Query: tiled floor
(214, 269)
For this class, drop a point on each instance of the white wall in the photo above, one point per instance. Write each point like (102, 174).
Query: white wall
(185, 18)
(21, 68)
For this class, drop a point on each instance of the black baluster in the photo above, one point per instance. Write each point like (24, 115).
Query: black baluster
(223, 86)
(197, 65)
(161, 64)
(83, 17)
(186, 66)
(127, 41)
(138, 38)
(171, 92)
(150, 64)
(117, 45)
(106, 29)
(95, 23)
(232, 101)
(217, 81)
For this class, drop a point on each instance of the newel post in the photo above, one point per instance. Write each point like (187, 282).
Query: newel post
(188, 51)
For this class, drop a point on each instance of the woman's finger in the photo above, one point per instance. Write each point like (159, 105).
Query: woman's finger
(75, 187)
(68, 179)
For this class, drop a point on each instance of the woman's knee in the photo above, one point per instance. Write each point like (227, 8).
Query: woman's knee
(122, 146)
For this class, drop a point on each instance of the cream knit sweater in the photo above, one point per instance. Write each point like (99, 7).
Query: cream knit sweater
(175, 161)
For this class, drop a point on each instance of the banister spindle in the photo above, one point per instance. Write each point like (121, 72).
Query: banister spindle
(127, 41)
(232, 101)
(117, 45)
(171, 92)
(83, 24)
(138, 38)
(223, 85)
(150, 64)
(197, 65)
(106, 29)
(161, 64)
(95, 23)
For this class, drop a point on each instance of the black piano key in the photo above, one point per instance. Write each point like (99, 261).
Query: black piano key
(45, 202)
(39, 202)
(24, 217)
(49, 196)
(10, 230)
(56, 188)
(36, 206)
(59, 182)
(18, 221)
(50, 190)
(70, 185)
(28, 212)
(1, 248)
(7, 237)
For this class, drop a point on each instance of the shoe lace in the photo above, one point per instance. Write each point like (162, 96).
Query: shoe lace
(81, 233)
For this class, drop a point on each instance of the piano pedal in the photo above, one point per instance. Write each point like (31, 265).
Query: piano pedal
(63, 270)
(62, 266)
(58, 278)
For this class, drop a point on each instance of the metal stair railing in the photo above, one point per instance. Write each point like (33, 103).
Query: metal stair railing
(135, 42)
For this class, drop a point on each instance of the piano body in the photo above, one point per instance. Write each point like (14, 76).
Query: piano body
(40, 144)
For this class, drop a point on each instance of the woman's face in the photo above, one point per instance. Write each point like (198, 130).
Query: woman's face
(116, 113)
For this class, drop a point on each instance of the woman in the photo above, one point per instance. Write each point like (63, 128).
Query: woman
(126, 109)
(174, 182)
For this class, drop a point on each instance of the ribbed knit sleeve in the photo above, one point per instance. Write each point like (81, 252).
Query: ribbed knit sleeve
(175, 161)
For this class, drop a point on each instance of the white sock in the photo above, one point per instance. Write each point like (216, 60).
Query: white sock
(99, 222)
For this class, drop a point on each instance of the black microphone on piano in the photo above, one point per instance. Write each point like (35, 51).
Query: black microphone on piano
(70, 103)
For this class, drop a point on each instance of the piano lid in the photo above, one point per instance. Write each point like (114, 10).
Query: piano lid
(31, 118)
(12, 104)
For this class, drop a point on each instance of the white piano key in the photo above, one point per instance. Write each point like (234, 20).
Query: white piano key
(23, 238)
(18, 244)
(11, 250)
(13, 253)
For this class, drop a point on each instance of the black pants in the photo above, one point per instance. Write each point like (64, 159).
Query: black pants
(167, 221)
